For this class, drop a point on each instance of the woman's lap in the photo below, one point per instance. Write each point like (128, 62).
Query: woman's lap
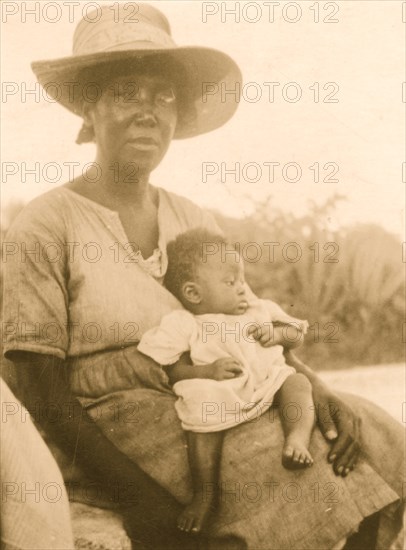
(261, 503)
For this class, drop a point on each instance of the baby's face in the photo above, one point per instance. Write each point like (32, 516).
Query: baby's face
(222, 285)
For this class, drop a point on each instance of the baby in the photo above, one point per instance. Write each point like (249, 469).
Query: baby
(236, 344)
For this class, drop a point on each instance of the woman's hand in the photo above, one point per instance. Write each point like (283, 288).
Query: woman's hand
(339, 425)
(336, 420)
(223, 369)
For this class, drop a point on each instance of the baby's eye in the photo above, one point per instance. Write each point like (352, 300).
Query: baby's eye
(229, 283)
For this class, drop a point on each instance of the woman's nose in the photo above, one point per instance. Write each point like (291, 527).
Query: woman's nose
(145, 107)
(146, 96)
(145, 117)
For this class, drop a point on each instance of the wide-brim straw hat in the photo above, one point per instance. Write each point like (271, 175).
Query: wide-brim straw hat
(103, 39)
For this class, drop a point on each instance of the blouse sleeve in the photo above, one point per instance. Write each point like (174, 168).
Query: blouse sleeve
(167, 342)
(35, 302)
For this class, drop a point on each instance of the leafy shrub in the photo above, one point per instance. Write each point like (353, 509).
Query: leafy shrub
(348, 283)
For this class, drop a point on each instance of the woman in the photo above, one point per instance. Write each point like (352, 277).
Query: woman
(93, 287)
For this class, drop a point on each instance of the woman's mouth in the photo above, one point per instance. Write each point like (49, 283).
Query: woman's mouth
(144, 143)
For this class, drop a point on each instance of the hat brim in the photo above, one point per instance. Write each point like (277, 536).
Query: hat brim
(209, 73)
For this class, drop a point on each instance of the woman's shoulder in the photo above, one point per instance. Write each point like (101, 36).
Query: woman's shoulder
(45, 212)
(187, 211)
(178, 202)
(48, 200)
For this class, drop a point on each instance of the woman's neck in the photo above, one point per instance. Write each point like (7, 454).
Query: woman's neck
(120, 185)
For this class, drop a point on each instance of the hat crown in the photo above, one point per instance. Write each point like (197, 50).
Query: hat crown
(126, 26)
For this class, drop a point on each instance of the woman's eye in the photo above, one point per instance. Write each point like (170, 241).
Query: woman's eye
(123, 95)
(165, 97)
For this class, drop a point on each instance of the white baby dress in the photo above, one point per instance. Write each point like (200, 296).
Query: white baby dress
(206, 405)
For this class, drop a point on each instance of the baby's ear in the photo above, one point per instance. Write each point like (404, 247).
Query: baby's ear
(191, 293)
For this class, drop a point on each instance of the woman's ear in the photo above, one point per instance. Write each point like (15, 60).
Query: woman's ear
(86, 113)
(86, 133)
(192, 293)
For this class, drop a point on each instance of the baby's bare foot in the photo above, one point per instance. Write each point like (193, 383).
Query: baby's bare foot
(295, 453)
(194, 516)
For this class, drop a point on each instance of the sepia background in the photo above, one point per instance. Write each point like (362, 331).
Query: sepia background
(338, 72)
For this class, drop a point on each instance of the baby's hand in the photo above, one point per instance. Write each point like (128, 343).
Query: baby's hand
(263, 334)
(277, 334)
(224, 369)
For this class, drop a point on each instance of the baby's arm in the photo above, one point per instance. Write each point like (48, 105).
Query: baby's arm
(282, 329)
(222, 369)
(288, 336)
(169, 346)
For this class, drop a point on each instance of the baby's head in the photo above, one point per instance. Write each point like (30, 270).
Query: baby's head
(206, 273)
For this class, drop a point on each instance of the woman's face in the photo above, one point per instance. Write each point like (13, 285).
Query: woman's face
(134, 120)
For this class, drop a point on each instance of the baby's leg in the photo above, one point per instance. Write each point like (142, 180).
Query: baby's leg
(297, 416)
(204, 451)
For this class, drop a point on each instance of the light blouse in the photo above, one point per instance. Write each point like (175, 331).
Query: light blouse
(76, 285)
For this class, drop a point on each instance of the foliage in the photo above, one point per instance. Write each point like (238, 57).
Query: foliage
(349, 283)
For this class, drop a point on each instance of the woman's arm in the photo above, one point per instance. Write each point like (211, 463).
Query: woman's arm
(82, 441)
(336, 420)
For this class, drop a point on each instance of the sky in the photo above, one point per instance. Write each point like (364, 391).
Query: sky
(336, 71)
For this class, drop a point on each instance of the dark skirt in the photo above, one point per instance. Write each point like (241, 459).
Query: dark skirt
(261, 504)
